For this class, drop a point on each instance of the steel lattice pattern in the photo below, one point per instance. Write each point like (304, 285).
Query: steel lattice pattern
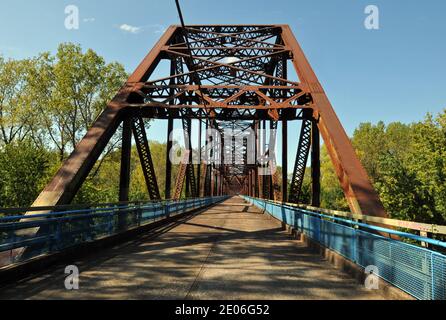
(233, 70)
(303, 151)
(139, 131)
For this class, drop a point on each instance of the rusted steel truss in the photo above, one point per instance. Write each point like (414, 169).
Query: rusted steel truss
(179, 184)
(303, 150)
(191, 183)
(145, 156)
(229, 76)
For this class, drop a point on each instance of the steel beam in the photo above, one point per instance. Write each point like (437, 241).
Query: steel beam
(145, 157)
(208, 174)
(67, 181)
(300, 165)
(284, 161)
(126, 152)
(315, 165)
(191, 184)
(257, 152)
(200, 129)
(179, 184)
(169, 146)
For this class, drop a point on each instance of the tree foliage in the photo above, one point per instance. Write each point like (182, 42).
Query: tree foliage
(407, 165)
(47, 103)
(68, 91)
(24, 169)
(15, 122)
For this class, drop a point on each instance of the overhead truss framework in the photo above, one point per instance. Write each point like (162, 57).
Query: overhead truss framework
(229, 77)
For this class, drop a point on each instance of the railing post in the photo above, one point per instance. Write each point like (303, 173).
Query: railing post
(110, 222)
(58, 234)
(122, 218)
(168, 162)
(126, 151)
(425, 235)
(355, 245)
(167, 208)
(139, 216)
(432, 277)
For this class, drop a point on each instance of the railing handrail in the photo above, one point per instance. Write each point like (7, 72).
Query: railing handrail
(99, 223)
(84, 205)
(411, 225)
(360, 224)
(55, 210)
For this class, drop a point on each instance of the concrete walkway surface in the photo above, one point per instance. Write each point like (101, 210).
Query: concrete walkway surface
(230, 251)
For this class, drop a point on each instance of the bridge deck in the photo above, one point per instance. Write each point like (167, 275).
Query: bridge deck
(230, 251)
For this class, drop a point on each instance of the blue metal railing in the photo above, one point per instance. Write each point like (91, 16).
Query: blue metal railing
(418, 271)
(55, 231)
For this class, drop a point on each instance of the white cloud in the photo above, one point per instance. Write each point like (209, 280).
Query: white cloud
(154, 28)
(131, 29)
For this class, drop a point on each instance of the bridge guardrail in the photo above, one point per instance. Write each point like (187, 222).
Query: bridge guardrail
(423, 229)
(60, 230)
(416, 270)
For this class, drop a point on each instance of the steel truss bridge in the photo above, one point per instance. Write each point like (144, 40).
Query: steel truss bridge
(243, 79)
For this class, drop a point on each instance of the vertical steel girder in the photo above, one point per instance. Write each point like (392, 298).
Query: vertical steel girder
(257, 183)
(142, 144)
(208, 181)
(200, 151)
(274, 191)
(315, 166)
(174, 69)
(191, 183)
(168, 162)
(203, 184)
(253, 183)
(126, 152)
(181, 175)
(300, 165)
(265, 178)
(222, 171)
(284, 161)
(277, 195)
(208, 170)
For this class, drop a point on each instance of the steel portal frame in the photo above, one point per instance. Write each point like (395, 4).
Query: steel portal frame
(231, 74)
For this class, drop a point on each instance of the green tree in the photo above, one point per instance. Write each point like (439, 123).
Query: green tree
(24, 168)
(70, 90)
(332, 196)
(46, 106)
(406, 164)
(373, 142)
(16, 118)
(401, 192)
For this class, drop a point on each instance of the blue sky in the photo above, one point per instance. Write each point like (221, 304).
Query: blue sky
(396, 73)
